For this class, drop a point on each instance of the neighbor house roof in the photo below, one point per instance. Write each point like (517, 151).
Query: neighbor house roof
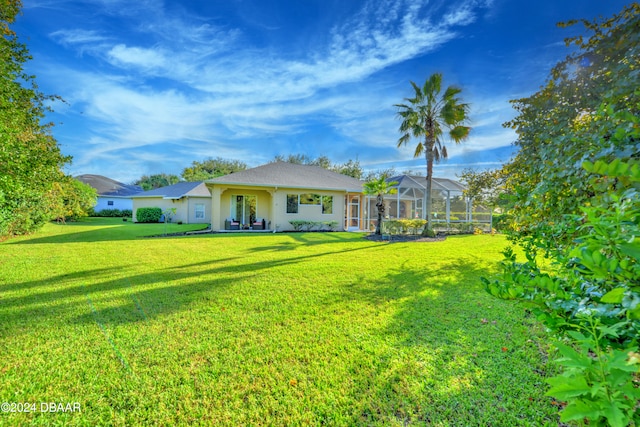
(290, 175)
(178, 191)
(108, 187)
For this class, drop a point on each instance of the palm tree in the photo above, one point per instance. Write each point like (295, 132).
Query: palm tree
(379, 187)
(427, 116)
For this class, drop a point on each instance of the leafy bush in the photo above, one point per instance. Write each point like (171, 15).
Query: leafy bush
(576, 188)
(71, 199)
(592, 300)
(148, 214)
(304, 225)
(501, 222)
(403, 226)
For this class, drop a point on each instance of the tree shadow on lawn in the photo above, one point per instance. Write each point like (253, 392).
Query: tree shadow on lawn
(174, 288)
(454, 354)
(298, 240)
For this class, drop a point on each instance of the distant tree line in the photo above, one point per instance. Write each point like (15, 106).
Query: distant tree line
(214, 167)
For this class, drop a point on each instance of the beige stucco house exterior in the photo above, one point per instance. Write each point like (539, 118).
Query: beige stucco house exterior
(281, 192)
(191, 200)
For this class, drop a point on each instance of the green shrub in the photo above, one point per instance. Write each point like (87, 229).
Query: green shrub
(501, 222)
(576, 217)
(109, 213)
(304, 225)
(148, 214)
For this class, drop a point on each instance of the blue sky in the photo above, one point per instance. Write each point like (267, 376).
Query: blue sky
(152, 85)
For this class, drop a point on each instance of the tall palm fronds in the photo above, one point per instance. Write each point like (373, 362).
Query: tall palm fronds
(426, 117)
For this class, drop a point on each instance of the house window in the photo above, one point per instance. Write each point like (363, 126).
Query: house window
(292, 203)
(327, 205)
(295, 200)
(110, 203)
(199, 210)
(310, 199)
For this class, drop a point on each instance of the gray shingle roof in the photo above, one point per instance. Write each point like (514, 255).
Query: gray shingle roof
(109, 187)
(283, 174)
(177, 191)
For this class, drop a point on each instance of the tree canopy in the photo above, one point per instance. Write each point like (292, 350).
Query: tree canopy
(211, 168)
(150, 182)
(576, 216)
(351, 168)
(483, 186)
(31, 162)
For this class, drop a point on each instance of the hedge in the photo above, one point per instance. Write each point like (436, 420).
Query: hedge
(148, 214)
(113, 213)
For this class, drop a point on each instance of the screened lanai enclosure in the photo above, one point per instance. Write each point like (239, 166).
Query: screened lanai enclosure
(451, 210)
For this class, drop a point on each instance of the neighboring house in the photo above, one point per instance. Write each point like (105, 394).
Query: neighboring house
(192, 201)
(281, 192)
(111, 193)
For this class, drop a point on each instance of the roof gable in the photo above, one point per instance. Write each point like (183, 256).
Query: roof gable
(284, 174)
(108, 187)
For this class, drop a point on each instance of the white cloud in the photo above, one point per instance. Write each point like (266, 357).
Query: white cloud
(137, 57)
(77, 36)
(219, 94)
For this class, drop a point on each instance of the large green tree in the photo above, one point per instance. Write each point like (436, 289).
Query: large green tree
(576, 216)
(559, 126)
(430, 116)
(211, 168)
(30, 159)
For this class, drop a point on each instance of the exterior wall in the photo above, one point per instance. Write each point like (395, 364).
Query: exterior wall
(118, 203)
(190, 210)
(271, 204)
(185, 208)
(221, 204)
(309, 212)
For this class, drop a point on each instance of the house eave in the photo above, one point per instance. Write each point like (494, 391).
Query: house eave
(297, 187)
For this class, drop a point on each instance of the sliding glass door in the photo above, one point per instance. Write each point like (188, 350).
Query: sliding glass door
(243, 208)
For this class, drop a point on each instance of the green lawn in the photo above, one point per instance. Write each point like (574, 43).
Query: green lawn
(262, 329)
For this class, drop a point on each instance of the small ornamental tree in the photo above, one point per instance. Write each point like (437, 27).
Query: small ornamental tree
(380, 187)
(74, 199)
(576, 216)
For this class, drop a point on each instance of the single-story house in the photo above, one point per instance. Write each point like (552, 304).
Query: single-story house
(112, 194)
(277, 193)
(191, 200)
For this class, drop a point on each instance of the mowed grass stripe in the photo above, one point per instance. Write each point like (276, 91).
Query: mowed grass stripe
(263, 329)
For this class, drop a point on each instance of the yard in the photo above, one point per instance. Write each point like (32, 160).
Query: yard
(262, 329)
